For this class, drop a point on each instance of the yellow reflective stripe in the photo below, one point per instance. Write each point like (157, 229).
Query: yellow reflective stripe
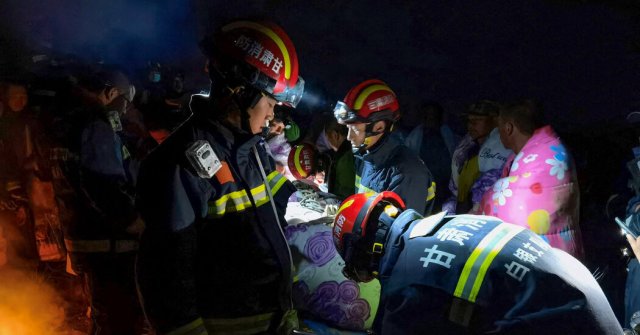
(367, 91)
(90, 246)
(13, 185)
(238, 201)
(361, 188)
(296, 161)
(87, 245)
(364, 189)
(431, 192)
(476, 267)
(240, 326)
(195, 327)
(263, 197)
(276, 180)
(125, 153)
(272, 35)
(272, 175)
(277, 183)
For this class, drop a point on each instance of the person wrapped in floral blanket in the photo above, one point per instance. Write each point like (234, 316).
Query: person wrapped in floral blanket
(538, 189)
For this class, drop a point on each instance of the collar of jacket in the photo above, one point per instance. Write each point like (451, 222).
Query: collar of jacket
(231, 137)
(381, 151)
(344, 147)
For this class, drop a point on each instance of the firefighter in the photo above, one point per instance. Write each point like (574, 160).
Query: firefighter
(382, 163)
(213, 258)
(100, 222)
(465, 274)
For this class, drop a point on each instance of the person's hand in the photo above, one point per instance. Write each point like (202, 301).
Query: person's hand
(635, 245)
(319, 178)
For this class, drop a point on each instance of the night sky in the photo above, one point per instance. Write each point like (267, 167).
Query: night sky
(580, 58)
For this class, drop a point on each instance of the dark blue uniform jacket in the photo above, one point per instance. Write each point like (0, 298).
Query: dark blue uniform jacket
(391, 166)
(212, 248)
(478, 275)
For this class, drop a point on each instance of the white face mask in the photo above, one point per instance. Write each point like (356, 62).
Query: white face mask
(322, 143)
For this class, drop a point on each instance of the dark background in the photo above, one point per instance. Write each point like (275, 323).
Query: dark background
(580, 58)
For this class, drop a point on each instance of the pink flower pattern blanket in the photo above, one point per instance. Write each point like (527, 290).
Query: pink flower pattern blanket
(539, 190)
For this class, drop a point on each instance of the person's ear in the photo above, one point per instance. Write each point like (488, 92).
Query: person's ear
(379, 126)
(509, 128)
(333, 136)
(113, 93)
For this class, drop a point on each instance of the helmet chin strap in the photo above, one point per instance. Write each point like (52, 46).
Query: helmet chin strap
(362, 148)
(247, 98)
(366, 144)
(369, 133)
(243, 95)
(265, 130)
(365, 263)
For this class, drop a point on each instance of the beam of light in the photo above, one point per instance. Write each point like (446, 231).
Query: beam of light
(312, 99)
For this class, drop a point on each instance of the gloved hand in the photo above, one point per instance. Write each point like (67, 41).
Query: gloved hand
(291, 131)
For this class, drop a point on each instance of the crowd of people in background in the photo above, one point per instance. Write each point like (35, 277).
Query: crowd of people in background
(93, 174)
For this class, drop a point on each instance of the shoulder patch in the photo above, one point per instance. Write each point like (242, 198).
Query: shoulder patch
(224, 175)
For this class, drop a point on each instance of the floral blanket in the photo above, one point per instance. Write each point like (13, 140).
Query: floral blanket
(538, 190)
(320, 290)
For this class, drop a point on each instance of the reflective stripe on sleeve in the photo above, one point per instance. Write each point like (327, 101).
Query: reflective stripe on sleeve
(276, 180)
(90, 246)
(431, 191)
(195, 327)
(478, 263)
(239, 201)
(13, 185)
(361, 188)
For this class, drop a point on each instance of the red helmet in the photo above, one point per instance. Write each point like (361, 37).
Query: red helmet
(370, 101)
(302, 161)
(259, 54)
(357, 224)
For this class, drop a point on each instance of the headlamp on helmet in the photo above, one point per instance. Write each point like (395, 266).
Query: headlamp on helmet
(343, 113)
(291, 96)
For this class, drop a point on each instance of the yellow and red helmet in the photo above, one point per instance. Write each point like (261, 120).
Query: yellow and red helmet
(302, 161)
(370, 101)
(356, 223)
(257, 53)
